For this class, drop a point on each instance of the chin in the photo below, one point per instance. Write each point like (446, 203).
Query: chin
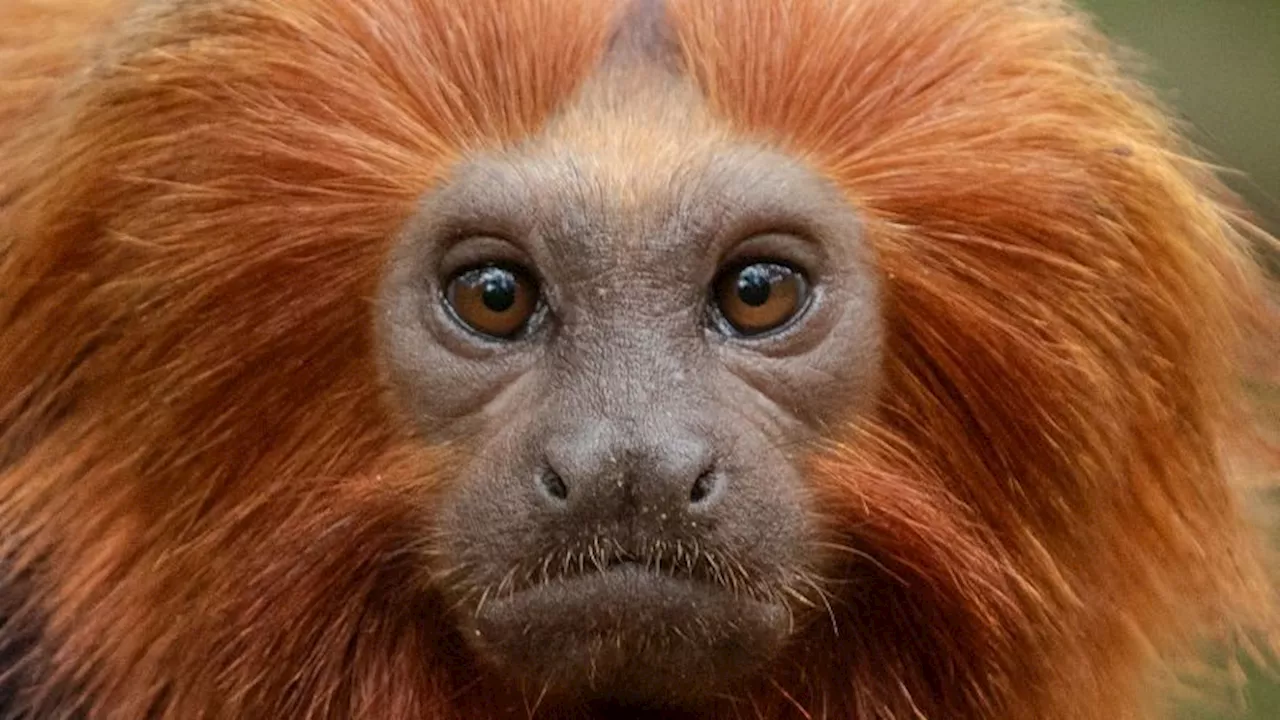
(629, 635)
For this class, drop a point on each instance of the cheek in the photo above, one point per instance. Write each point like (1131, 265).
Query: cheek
(445, 384)
(827, 370)
(488, 504)
(836, 381)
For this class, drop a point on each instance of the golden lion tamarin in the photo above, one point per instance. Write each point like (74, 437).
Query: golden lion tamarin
(483, 359)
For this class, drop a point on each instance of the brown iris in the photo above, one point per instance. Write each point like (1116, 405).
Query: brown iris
(493, 300)
(760, 297)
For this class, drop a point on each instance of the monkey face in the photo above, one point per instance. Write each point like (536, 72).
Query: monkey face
(631, 367)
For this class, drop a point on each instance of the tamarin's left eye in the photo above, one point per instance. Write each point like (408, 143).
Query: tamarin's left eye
(759, 297)
(493, 300)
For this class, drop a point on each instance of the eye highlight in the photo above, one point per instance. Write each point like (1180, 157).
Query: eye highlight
(493, 300)
(759, 297)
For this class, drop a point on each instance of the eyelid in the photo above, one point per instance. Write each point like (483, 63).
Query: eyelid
(476, 251)
(797, 251)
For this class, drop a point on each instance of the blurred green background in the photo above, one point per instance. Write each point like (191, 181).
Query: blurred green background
(1217, 63)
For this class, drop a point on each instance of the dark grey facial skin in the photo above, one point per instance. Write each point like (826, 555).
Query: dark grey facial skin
(665, 567)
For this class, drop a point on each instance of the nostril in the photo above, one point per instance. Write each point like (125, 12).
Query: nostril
(704, 487)
(553, 486)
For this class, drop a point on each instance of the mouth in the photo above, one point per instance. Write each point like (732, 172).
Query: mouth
(629, 631)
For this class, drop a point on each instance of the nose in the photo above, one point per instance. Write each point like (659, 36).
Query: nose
(602, 472)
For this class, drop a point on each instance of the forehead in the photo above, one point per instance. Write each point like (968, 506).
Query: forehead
(635, 170)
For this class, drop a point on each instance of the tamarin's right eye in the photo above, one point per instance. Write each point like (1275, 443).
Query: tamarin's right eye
(493, 300)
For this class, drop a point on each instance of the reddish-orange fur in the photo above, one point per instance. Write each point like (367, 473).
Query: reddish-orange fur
(218, 515)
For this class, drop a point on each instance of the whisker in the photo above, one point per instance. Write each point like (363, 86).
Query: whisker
(824, 597)
(862, 555)
(794, 703)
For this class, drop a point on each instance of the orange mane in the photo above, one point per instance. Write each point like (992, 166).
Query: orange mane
(212, 507)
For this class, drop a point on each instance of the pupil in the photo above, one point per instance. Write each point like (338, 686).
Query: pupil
(754, 286)
(499, 290)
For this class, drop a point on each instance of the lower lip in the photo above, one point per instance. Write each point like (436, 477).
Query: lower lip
(630, 630)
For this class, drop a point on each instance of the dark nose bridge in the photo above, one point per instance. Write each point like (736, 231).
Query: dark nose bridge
(627, 360)
(638, 396)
